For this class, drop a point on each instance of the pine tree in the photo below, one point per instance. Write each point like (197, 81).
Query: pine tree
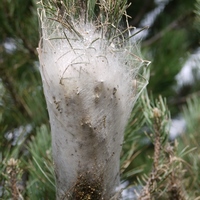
(26, 163)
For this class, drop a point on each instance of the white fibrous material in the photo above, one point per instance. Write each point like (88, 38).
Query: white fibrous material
(90, 88)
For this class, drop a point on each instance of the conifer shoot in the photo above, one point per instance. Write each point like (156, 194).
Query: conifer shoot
(90, 76)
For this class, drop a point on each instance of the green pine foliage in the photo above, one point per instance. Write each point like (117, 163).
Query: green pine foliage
(190, 142)
(41, 182)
